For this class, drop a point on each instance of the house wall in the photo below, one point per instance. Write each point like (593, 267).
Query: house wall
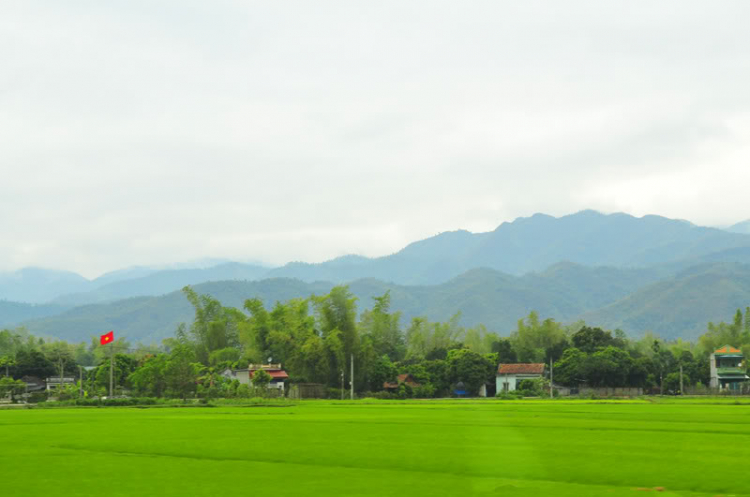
(513, 380)
(714, 381)
(278, 384)
(242, 375)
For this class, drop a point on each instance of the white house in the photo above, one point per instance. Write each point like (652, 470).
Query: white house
(53, 382)
(244, 376)
(510, 375)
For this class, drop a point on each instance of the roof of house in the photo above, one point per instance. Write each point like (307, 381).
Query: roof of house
(727, 349)
(402, 378)
(520, 368)
(275, 375)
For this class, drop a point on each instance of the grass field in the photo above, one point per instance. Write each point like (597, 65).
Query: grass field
(414, 448)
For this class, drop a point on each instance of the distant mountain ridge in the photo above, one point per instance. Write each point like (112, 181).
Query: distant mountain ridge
(162, 282)
(671, 302)
(524, 246)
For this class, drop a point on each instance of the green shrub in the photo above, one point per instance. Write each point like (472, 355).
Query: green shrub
(243, 392)
(511, 395)
(384, 395)
(37, 397)
(405, 391)
(425, 391)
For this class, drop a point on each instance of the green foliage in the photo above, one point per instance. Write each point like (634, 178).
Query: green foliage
(512, 395)
(672, 383)
(536, 387)
(404, 391)
(382, 371)
(473, 369)
(384, 329)
(424, 391)
(589, 339)
(9, 386)
(124, 366)
(243, 392)
(31, 362)
(504, 350)
(261, 379)
(228, 354)
(439, 376)
(538, 341)
(214, 327)
(426, 340)
(181, 372)
(150, 378)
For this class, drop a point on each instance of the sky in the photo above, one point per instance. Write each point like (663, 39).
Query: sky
(152, 132)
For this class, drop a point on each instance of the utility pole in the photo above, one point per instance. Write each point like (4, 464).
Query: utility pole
(111, 370)
(661, 382)
(342, 384)
(681, 387)
(60, 385)
(550, 378)
(80, 370)
(351, 379)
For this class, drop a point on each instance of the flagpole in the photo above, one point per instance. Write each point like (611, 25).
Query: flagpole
(111, 369)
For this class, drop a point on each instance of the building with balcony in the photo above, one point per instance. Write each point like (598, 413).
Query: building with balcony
(727, 369)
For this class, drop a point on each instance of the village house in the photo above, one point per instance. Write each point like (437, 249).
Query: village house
(510, 375)
(245, 376)
(406, 379)
(53, 382)
(34, 384)
(727, 369)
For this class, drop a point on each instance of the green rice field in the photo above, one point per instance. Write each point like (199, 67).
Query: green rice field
(411, 448)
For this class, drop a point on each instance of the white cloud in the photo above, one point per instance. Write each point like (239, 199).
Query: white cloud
(150, 132)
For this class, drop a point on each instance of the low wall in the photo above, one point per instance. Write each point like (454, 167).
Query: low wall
(611, 392)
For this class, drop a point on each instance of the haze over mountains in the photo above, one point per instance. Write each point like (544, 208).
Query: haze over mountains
(639, 274)
(743, 227)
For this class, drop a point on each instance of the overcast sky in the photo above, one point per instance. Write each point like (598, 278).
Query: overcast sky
(148, 132)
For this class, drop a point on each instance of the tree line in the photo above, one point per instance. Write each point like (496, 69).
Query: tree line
(316, 338)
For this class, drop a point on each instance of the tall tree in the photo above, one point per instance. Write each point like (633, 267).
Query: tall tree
(383, 328)
(538, 341)
(214, 327)
(336, 315)
(181, 371)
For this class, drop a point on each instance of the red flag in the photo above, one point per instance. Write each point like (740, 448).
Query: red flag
(109, 337)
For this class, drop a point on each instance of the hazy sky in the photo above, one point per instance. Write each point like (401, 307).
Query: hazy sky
(147, 132)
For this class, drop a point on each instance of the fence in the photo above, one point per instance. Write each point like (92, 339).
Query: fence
(743, 389)
(610, 392)
(308, 391)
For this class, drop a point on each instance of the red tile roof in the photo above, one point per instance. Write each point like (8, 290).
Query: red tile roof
(520, 369)
(275, 375)
(402, 378)
(728, 349)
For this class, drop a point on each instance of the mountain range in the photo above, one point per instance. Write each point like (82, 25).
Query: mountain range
(638, 274)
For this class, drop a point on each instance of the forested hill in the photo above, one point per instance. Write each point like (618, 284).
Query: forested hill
(12, 313)
(523, 246)
(536, 243)
(678, 304)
